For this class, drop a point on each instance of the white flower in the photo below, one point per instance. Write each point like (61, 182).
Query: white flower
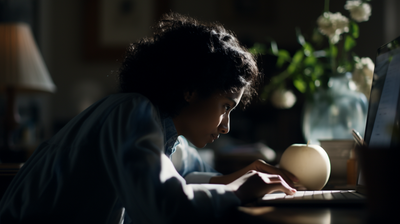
(283, 98)
(363, 74)
(332, 25)
(359, 11)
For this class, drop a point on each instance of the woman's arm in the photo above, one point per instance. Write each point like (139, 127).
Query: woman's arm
(194, 170)
(190, 165)
(260, 166)
(144, 178)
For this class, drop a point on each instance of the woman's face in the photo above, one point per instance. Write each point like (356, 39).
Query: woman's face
(202, 120)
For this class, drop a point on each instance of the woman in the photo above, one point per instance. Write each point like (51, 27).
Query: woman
(114, 157)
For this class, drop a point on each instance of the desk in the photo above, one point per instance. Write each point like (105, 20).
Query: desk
(380, 170)
(301, 215)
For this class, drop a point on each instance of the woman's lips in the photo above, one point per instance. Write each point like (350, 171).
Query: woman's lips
(214, 137)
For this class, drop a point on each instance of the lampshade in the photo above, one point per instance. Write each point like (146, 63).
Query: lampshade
(21, 65)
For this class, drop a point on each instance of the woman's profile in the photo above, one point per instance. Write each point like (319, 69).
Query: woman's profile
(112, 162)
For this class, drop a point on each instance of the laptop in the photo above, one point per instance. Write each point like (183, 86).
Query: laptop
(380, 131)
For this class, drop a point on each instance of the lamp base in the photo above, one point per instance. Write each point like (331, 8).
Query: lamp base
(11, 123)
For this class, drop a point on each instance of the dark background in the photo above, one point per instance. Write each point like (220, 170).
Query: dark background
(66, 32)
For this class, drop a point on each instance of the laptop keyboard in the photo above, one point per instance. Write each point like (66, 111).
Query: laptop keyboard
(316, 195)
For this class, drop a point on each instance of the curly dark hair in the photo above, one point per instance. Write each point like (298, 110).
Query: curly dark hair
(186, 55)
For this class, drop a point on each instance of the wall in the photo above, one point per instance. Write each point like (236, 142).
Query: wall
(80, 82)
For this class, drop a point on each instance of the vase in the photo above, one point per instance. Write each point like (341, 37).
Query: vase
(331, 113)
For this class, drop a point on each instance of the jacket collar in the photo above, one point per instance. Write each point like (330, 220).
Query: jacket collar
(170, 134)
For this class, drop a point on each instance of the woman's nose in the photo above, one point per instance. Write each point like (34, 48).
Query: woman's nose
(223, 128)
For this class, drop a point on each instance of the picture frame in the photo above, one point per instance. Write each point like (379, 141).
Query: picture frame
(101, 21)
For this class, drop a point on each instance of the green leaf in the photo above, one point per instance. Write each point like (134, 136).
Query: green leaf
(318, 70)
(332, 51)
(253, 51)
(300, 37)
(283, 56)
(308, 49)
(310, 61)
(349, 43)
(291, 68)
(300, 85)
(311, 86)
(354, 30)
(298, 56)
(258, 49)
(274, 48)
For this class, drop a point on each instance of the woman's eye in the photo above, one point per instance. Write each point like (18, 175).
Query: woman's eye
(227, 107)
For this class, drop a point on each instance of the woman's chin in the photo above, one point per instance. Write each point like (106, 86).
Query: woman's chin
(200, 144)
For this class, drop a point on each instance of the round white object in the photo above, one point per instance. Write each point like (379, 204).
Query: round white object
(309, 163)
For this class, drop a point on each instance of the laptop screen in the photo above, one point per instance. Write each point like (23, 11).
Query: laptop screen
(382, 128)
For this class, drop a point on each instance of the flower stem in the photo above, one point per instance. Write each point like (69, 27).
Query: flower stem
(326, 6)
(344, 58)
(333, 59)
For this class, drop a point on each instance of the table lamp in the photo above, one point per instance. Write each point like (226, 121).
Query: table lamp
(21, 70)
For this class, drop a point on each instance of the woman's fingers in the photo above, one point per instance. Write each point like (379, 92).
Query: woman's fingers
(287, 178)
(290, 175)
(280, 187)
(277, 183)
(262, 166)
(253, 185)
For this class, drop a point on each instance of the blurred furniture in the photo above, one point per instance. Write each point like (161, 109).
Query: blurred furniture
(21, 70)
(339, 151)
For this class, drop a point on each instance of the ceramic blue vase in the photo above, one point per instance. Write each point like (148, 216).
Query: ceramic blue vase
(332, 113)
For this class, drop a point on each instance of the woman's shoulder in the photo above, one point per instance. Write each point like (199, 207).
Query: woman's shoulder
(128, 96)
(132, 101)
(127, 99)
(109, 109)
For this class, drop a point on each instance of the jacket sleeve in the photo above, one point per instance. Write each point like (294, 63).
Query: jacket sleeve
(190, 165)
(146, 182)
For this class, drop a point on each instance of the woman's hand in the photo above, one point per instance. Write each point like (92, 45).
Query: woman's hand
(253, 185)
(264, 167)
(260, 166)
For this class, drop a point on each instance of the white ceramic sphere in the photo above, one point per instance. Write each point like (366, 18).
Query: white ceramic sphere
(309, 163)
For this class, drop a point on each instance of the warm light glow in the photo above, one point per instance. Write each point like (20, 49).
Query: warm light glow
(21, 65)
